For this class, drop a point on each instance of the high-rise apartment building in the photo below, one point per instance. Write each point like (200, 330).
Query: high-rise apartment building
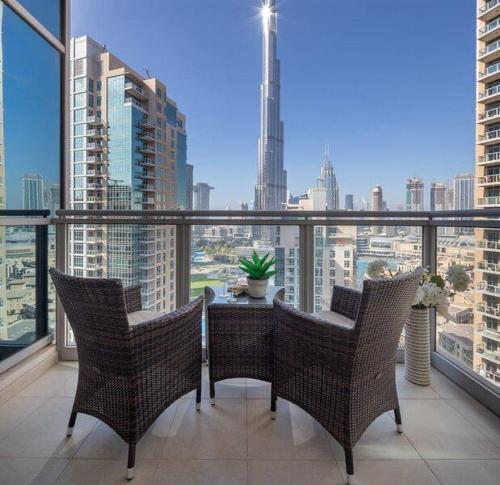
(463, 192)
(270, 190)
(334, 254)
(33, 192)
(349, 202)
(127, 136)
(377, 204)
(328, 180)
(189, 186)
(487, 274)
(415, 194)
(438, 196)
(201, 192)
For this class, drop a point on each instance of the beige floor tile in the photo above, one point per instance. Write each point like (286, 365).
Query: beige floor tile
(452, 472)
(438, 431)
(43, 433)
(103, 442)
(30, 471)
(392, 473)
(258, 389)
(216, 432)
(15, 411)
(480, 417)
(201, 472)
(293, 435)
(59, 381)
(408, 390)
(446, 388)
(286, 472)
(381, 441)
(106, 472)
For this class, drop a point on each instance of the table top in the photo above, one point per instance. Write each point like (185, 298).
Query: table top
(247, 300)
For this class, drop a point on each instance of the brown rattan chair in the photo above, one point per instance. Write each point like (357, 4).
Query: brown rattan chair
(128, 373)
(342, 370)
(239, 341)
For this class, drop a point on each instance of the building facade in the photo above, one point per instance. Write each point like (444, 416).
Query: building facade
(349, 202)
(328, 180)
(415, 194)
(438, 196)
(127, 136)
(33, 192)
(487, 274)
(377, 204)
(189, 187)
(201, 193)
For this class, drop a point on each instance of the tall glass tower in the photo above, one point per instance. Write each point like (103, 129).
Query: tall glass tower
(270, 190)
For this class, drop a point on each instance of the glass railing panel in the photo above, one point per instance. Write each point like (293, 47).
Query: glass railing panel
(469, 335)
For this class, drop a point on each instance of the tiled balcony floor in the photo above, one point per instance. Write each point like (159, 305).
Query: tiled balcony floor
(449, 439)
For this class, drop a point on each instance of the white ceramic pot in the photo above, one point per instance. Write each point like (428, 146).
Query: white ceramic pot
(257, 288)
(417, 347)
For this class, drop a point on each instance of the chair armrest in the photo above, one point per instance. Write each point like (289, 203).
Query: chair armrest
(133, 298)
(345, 301)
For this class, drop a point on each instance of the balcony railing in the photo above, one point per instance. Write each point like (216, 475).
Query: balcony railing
(489, 267)
(490, 93)
(489, 28)
(489, 49)
(489, 158)
(488, 179)
(492, 200)
(490, 114)
(489, 137)
(494, 69)
(489, 9)
(486, 244)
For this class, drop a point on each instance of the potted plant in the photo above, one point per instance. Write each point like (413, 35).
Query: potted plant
(258, 273)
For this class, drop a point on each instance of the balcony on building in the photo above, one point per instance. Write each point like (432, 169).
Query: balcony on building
(94, 121)
(490, 95)
(490, 52)
(147, 125)
(491, 73)
(489, 10)
(488, 180)
(489, 138)
(147, 150)
(489, 159)
(489, 116)
(490, 31)
(488, 267)
(489, 245)
(136, 91)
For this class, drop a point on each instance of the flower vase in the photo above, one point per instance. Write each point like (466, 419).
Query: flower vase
(417, 347)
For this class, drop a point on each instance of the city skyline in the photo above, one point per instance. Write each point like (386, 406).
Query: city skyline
(211, 91)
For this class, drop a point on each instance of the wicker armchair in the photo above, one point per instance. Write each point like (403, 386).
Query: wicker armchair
(129, 373)
(342, 370)
(239, 341)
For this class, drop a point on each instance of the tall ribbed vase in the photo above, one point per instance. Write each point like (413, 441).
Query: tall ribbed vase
(417, 347)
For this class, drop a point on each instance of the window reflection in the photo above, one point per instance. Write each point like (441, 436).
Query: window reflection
(47, 12)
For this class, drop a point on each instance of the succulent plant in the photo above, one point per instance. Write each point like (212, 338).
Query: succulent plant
(257, 268)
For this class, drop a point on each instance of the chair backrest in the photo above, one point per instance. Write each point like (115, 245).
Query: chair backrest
(97, 313)
(383, 311)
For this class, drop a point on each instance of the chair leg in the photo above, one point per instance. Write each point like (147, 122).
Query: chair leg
(198, 399)
(212, 393)
(274, 398)
(399, 422)
(71, 424)
(131, 462)
(349, 465)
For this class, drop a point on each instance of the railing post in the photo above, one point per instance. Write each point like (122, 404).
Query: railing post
(306, 266)
(183, 263)
(42, 290)
(429, 260)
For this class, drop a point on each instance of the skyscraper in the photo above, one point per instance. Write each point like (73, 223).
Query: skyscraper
(463, 192)
(328, 180)
(415, 194)
(33, 192)
(349, 202)
(270, 190)
(126, 138)
(189, 187)
(201, 193)
(487, 277)
(377, 204)
(438, 197)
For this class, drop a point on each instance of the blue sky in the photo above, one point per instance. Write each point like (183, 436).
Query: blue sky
(388, 84)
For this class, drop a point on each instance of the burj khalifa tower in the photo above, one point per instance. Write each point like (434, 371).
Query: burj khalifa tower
(270, 190)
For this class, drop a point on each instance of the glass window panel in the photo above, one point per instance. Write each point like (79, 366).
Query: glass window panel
(79, 115)
(30, 85)
(79, 85)
(79, 100)
(47, 12)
